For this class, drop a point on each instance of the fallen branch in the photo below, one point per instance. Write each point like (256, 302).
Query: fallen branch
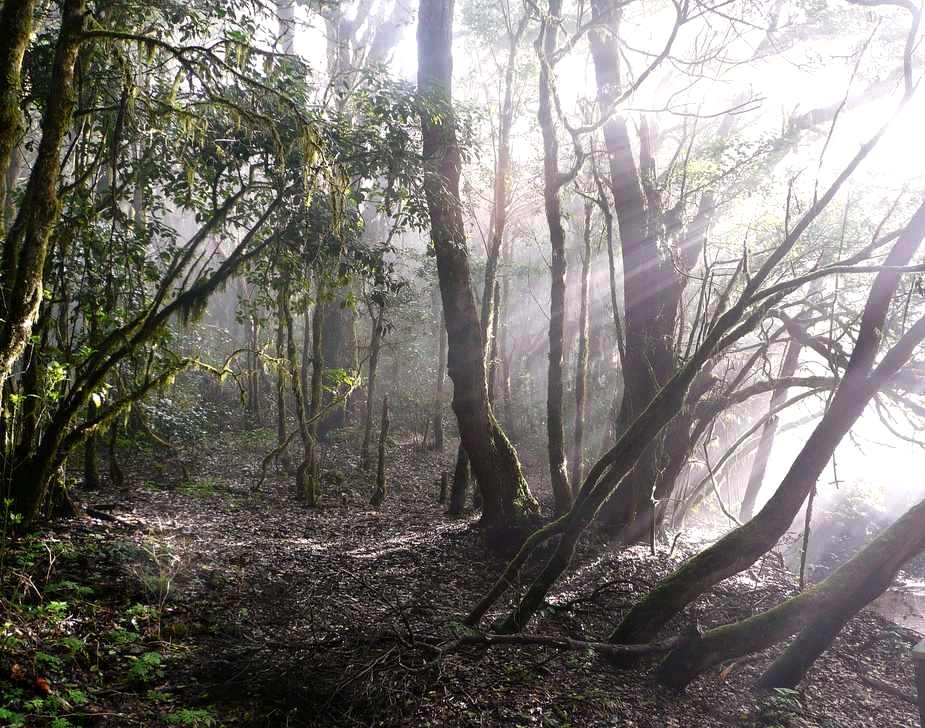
(882, 685)
(559, 643)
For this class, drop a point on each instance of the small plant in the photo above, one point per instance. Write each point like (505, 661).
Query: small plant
(11, 717)
(146, 668)
(8, 638)
(155, 567)
(122, 636)
(77, 697)
(779, 709)
(57, 610)
(202, 488)
(48, 662)
(74, 645)
(67, 586)
(193, 717)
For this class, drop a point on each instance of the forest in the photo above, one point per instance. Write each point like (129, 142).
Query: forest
(546, 363)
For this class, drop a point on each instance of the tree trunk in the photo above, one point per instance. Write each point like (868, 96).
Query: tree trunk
(506, 496)
(504, 356)
(381, 486)
(374, 346)
(15, 30)
(282, 458)
(490, 296)
(441, 372)
(460, 483)
(552, 183)
(581, 365)
(307, 475)
(651, 285)
(253, 372)
(742, 547)
(817, 613)
(493, 349)
(27, 241)
(305, 368)
(305, 486)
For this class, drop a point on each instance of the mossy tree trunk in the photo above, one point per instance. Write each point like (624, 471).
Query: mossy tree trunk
(26, 244)
(15, 30)
(506, 497)
(817, 613)
(553, 180)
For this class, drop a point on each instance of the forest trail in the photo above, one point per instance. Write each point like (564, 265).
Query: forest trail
(266, 613)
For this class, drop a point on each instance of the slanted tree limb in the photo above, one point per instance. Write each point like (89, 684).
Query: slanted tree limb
(817, 613)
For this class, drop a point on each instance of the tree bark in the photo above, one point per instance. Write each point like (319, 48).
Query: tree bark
(282, 457)
(651, 285)
(305, 485)
(307, 475)
(499, 206)
(440, 339)
(381, 485)
(506, 496)
(493, 349)
(460, 483)
(817, 613)
(581, 365)
(15, 30)
(552, 183)
(374, 347)
(27, 241)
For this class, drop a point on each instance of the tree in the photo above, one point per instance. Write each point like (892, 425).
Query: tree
(745, 301)
(553, 181)
(742, 547)
(817, 613)
(26, 244)
(505, 495)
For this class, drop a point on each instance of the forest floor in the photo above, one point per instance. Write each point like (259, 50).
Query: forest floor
(190, 600)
